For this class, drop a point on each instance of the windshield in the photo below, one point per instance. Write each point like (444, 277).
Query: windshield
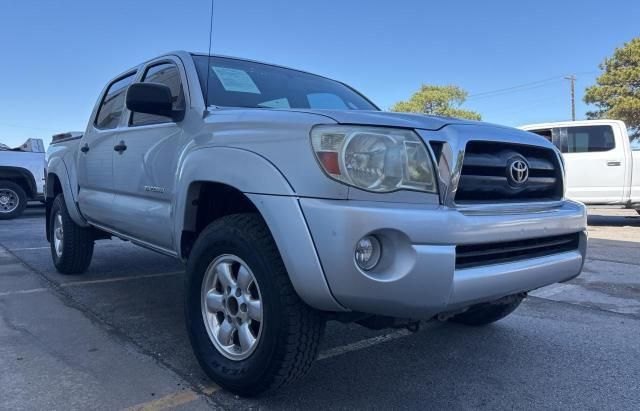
(240, 83)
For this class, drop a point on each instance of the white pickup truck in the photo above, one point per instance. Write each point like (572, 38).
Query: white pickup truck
(21, 177)
(601, 165)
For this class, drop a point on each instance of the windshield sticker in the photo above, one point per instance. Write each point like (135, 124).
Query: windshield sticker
(236, 80)
(277, 103)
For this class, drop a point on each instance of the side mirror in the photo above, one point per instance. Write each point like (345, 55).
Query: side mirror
(152, 98)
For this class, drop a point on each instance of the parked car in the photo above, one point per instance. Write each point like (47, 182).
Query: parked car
(293, 200)
(602, 168)
(21, 177)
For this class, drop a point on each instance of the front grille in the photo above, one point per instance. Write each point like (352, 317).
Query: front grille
(474, 255)
(485, 174)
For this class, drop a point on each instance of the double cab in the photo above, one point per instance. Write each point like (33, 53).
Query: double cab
(293, 200)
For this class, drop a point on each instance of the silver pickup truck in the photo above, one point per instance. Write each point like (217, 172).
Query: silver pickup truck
(293, 200)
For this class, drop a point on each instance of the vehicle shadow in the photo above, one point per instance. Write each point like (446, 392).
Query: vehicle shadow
(537, 357)
(600, 220)
(524, 357)
(33, 209)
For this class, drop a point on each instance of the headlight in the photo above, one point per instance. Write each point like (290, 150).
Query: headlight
(375, 159)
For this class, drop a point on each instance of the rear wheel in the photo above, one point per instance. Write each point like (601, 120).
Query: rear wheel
(13, 200)
(487, 313)
(71, 245)
(249, 329)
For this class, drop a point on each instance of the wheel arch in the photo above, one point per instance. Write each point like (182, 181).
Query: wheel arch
(207, 201)
(57, 181)
(53, 187)
(21, 176)
(210, 173)
(260, 188)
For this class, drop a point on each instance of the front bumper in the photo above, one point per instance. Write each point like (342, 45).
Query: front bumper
(417, 276)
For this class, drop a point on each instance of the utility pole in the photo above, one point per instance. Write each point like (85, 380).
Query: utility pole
(572, 79)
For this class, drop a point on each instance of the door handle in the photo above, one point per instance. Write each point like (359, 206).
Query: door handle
(120, 147)
(84, 148)
(614, 163)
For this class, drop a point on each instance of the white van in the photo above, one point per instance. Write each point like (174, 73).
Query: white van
(601, 165)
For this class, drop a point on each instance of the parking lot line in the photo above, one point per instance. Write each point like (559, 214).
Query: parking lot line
(552, 290)
(90, 282)
(119, 279)
(172, 400)
(187, 396)
(362, 344)
(29, 291)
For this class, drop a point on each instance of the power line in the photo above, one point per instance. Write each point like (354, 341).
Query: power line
(519, 107)
(525, 86)
(531, 87)
(516, 88)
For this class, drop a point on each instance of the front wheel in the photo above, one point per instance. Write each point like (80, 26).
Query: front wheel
(248, 328)
(71, 245)
(487, 313)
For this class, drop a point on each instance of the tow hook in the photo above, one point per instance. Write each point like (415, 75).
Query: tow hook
(448, 314)
(509, 299)
(444, 316)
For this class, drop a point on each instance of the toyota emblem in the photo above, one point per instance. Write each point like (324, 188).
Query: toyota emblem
(518, 171)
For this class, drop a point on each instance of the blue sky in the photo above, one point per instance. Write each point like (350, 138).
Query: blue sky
(57, 55)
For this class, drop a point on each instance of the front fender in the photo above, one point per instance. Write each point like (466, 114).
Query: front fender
(221, 165)
(57, 167)
(275, 199)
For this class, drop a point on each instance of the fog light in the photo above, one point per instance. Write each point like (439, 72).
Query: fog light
(368, 252)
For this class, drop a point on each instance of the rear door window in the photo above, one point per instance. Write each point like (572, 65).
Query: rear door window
(590, 139)
(169, 75)
(580, 139)
(112, 103)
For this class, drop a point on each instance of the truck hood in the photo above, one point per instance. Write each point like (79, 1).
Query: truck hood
(490, 131)
(383, 118)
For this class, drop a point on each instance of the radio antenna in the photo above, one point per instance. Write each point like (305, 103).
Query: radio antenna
(206, 97)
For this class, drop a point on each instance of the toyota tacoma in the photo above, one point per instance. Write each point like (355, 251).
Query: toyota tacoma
(293, 200)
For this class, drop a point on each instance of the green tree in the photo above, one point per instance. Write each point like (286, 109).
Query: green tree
(616, 93)
(437, 101)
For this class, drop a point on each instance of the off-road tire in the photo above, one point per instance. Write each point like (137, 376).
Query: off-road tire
(22, 199)
(78, 242)
(291, 329)
(483, 314)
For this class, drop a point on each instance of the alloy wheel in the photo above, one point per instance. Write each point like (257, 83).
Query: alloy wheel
(231, 306)
(58, 234)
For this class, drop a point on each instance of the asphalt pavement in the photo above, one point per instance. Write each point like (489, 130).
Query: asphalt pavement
(114, 338)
